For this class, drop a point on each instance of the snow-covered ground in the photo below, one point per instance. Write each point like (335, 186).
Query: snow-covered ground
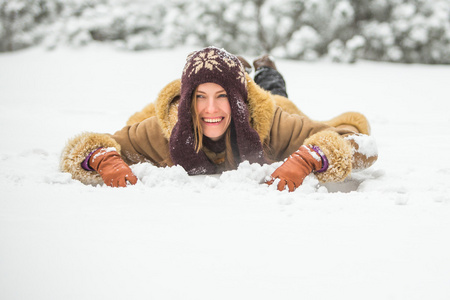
(383, 234)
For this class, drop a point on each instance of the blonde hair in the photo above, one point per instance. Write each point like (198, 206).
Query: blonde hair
(230, 162)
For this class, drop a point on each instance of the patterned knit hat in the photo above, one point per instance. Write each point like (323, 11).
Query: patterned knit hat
(218, 66)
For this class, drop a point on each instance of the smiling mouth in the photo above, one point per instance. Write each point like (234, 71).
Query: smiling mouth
(212, 120)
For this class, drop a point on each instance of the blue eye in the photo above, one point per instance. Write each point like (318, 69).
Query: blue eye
(200, 96)
(223, 96)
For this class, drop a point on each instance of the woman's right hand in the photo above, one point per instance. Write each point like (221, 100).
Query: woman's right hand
(114, 171)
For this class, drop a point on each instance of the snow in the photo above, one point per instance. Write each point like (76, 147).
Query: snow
(382, 234)
(367, 145)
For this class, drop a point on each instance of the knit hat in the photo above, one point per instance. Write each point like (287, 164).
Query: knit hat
(217, 66)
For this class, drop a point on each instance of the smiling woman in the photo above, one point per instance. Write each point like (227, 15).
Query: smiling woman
(212, 111)
(211, 116)
(216, 117)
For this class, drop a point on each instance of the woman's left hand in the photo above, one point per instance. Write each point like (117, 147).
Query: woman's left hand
(294, 170)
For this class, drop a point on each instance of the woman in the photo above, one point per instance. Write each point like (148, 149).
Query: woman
(216, 118)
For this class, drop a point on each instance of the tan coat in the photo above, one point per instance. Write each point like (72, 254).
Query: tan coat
(282, 128)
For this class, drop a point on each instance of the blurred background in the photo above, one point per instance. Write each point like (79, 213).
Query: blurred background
(406, 31)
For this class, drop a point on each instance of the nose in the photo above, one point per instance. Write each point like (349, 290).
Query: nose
(211, 106)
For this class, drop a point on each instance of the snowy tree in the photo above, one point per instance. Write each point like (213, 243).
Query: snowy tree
(414, 31)
(25, 22)
(16, 19)
(408, 31)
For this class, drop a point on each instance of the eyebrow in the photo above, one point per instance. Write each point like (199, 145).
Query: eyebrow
(219, 92)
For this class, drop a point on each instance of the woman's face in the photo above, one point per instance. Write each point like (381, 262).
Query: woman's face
(213, 109)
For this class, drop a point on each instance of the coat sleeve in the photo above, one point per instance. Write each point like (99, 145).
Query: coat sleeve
(144, 142)
(140, 142)
(340, 146)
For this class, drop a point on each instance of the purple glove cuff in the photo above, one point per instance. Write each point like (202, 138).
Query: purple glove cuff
(324, 159)
(85, 163)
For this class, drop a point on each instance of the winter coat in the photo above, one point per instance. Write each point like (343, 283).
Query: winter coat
(281, 126)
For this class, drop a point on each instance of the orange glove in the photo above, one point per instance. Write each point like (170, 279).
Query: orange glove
(114, 171)
(299, 165)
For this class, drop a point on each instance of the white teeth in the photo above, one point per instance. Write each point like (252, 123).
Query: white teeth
(215, 120)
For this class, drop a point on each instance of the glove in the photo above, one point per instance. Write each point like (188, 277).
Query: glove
(114, 171)
(299, 165)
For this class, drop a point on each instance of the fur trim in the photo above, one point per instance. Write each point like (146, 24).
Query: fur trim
(355, 119)
(166, 108)
(140, 116)
(261, 107)
(287, 105)
(338, 152)
(76, 150)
